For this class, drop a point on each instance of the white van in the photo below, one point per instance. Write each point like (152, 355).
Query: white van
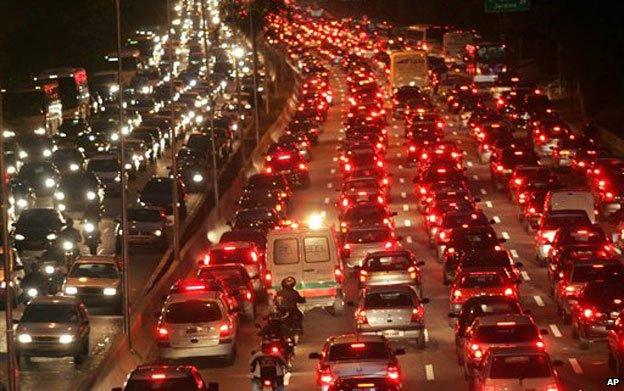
(571, 200)
(310, 256)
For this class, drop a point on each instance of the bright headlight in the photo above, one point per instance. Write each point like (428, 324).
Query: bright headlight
(11, 170)
(128, 166)
(61, 207)
(114, 88)
(32, 292)
(158, 232)
(59, 195)
(71, 290)
(51, 236)
(110, 291)
(90, 195)
(23, 155)
(145, 90)
(191, 114)
(197, 178)
(24, 338)
(49, 182)
(67, 245)
(73, 167)
(19, 237)
(89, 227)
(49, 269)
(22, 203)
(66, 338)
(118, 178)
(47, 153)
(114, 137)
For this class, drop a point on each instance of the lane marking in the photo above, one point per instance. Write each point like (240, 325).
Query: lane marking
(327, 200)
(429, 372)
(483, 191)
(514, 253)
(335, 158)
(489, 204)
(538, 301)
(496, 219)
(330, 185)
(555, 330)
(401, 180)
(408, 223)
(405, 208)
(426, 335)
(454, 133)
(475, 177)
(576, 367)
(403, 194)
(398, 154)
(525, 275)
(400, 166)
(333, 170)
(505, 235)
(470, 164)
(408, 239)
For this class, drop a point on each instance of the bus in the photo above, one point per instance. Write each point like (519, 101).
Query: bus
(454, 43)
(409, 68)
(31, 108)
(424, 36)
(130, 64)
(485, 61)
(73, 89)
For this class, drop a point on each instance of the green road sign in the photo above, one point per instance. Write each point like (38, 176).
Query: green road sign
(492, 6)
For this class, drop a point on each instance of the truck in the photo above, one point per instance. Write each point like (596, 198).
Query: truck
(454, 43)
(409, 68)
(28, 108)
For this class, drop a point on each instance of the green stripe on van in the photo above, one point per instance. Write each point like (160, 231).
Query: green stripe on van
(310, 285)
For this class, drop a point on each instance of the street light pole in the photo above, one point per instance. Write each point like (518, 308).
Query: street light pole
(238, 54)
(252, 36)
(213, 101)
(173, 146)
(12, 370)
(124, 181)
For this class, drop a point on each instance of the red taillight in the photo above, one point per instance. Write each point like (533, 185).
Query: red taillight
(326, 376)
(360, 317)
(158, 376)
(206, 260)
(338, 275)
(476, 351)
(609, 196)
(194, 287)
(388, 245)
(345, 202)
(412, 271)
(225, 332)
(412, 148)
(499, 168)
(347, 167)
(380, 200)
(254, 256)
(393, 373)
(283, 157)
(509, 292)
(417, 314)
(363, 275)
(268, 278)
(588, 313)
(379, 163)
(457, 293)
(385, 181)
(540, 344)
(518, 181)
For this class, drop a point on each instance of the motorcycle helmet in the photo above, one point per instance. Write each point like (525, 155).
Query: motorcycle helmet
(289, 282)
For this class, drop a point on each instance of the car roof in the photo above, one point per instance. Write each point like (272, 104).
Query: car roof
(515, 350)
(493, 320)
(145, 372)
(54, 300)
(239, 244)
(181, 297)
(112, 259)
(353, 337)
(389, 253)
(399, 288)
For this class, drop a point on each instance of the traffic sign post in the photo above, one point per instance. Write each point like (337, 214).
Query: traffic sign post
(495, 6)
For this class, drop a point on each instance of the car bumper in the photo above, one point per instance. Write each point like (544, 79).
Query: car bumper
(200, 351)
(596, 332)
(144, 239)
(39, 349)
(96, 300)
(411, 332)
(610, 208)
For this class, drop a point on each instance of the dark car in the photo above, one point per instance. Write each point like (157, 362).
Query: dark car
(165, 377)
(260, 219)
(37, 229)
(79, 191)
(158, 191)
(43, 177)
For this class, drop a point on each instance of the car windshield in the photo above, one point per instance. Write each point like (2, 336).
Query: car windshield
(103, 165)
(365, 213)
(507, 333)
(603, 294)
(36, 169)
(157, 187)
(149, 215)
(49, 313)
(555, 221)
(94, 270)
(193, 311)
(388, 263)
(233, 277)
(388, 300)
(358, 351)
(231, 254)
(368, 236)
(597, 272)
(487, 258)
(526, 366)
(38, 218)
(482, 280)
(171, 384)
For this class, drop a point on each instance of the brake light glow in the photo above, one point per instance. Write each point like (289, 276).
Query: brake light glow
(509, 292)
(457, 293)
(540, 344)
(194, 287)
(588, 313)
(393, 372)
(158, 376)
(206, 259)
(229, 248)
(283, 157)
(363, 275)
(499, 168)
(388, 245)
(518, 181)
(412, 271)
(358, 345)
(254, 256)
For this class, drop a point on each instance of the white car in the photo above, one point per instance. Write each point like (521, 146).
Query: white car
(197, 322)
(516, 368)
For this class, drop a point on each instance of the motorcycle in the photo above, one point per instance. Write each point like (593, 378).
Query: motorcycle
(34, 284)
(91, 234)
(268, 378)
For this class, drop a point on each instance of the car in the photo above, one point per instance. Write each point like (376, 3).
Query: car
(235, 276)
(197, 322)
(266, 198)
(516, 330)
(478, 282)
(96, 281)
(359, 383)
(42, 176)
(292, 165)
(394, 311)
(79, 191)
(365, 214)
(550, 223)
(53, 326)
(68, 159)
(259, 219)
(504, 160)
(36, 230)
(166, 377)
(108, 171)
(491, 257)
(469, 238)
(350, 355)
(269, 182)
(505, 367)
(574, 276)
(34, 147)
(247, 253)
(158, 192)
(571, 236)
(360, 241)
(148, 225)
(391, 268)
(245, 235)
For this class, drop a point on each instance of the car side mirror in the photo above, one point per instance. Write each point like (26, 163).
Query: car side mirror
(492, 221)
(350, 303)
(399, 352)
(544, 332)
(557, 363)
(212, 387)
(424, 301)
(314, 356)
(420, 263)
(502, 240)
(518, 264)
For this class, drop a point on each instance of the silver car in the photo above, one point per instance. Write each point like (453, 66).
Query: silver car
(391, 268)
(53, 326)
(148, 226)
(351, 355)
(359, 242)
(394, 311)
(197, 323)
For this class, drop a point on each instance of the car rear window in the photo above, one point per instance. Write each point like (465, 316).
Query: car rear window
(358, 351)
(387, 300)
(193, 311)
(507, 333)
(286, 251)
(526, 367)
(182, 383)
(368, 236)
(603, 294)
(482, 280)
(316, 249)
(567, 220)
(94, 270)
(49, 313)
(597, 272)
(388, 263)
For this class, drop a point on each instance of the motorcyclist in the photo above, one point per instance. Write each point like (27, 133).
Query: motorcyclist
(288, 298)
(276, 330)
(34, 283)
(90, 231)
(268, 364)
(71, 235)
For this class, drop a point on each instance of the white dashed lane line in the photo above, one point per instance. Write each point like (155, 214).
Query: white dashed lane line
(538, 301)
(555, 330)
(327, 200)
(407, 223)
(489, 204)
(525, 276)
(505, 235)
(405, 208)
(496, 219)
(408, 239)
(576, 367)
(429, 372)
(483, 191)
(514, 253)
(401, 180)
(403, 194)
(330, 185)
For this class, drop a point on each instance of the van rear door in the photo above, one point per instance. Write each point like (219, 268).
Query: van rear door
(285, 258)
(319, 258)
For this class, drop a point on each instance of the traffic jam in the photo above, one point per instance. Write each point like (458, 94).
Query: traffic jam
(426, 219)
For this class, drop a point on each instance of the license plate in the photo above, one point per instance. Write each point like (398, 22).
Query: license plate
(192, 330)
(393, 333)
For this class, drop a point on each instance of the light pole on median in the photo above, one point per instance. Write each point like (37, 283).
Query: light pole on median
(252, 36)
(173, 146)
(238, 53)
(124, 181)
(12, 370)
(213, 101)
